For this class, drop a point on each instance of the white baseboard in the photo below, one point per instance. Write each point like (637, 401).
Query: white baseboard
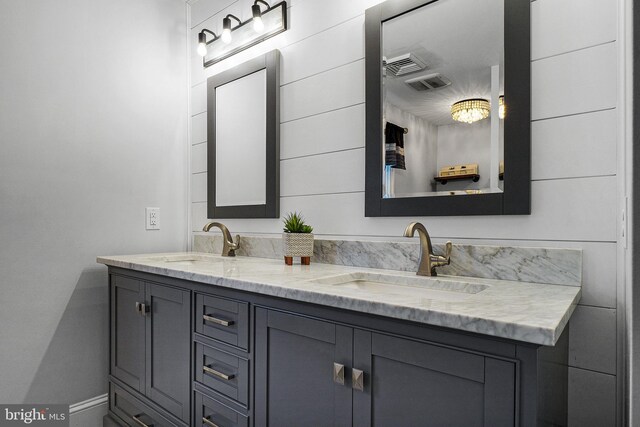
(88, 413)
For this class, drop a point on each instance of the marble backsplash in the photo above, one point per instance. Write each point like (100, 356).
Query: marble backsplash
(536, 265)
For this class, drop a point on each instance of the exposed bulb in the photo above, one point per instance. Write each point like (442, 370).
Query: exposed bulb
(258, 25)
(226, 35)
(202, 49)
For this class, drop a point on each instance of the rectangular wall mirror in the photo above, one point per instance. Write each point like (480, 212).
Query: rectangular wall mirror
(243, 140)
(448, 108)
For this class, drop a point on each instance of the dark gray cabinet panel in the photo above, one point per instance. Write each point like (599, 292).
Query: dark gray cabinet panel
(409, 383)
(212, 413)
(168, 341)
(295, 357)
(405, 382)
(151, 343)
(223, 319)
(133, 411)
(224, 372)
(127, 332)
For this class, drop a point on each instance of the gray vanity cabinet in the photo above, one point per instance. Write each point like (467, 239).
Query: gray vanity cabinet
(187, 353)
(150, 342)
(127, 332)
(295, 384)
(385, 380)
(413, 383)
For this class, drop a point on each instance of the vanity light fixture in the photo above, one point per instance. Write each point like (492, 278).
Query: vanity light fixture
(202, 41)
(258, 25)
(226, 27)
(470, 110)
(266, 21)
(502, 108)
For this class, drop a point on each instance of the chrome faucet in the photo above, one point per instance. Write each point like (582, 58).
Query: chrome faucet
(428, 261)
(228, 247)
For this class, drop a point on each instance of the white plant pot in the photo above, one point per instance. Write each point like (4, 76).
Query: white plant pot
(297, 244)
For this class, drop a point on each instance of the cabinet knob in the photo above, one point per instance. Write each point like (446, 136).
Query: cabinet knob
(142, 308)
(357, 379)
(338, 373)
(145, 309)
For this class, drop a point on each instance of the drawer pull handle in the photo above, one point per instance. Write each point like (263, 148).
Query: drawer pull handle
(357, 379)
(208, 422)
(218, 374)
(217, 321)
(139, 422)
(338, 373)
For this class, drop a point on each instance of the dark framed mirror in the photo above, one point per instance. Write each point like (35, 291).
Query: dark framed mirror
(448, 111)
(243, 140)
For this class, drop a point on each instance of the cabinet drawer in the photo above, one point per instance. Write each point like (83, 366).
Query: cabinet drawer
(224, 372)
(211, 413)
(223, 319)
(133, 412)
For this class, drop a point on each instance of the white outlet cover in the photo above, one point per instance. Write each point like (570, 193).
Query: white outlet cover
(152, 216)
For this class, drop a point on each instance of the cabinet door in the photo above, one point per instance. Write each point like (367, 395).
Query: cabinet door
(127, 331)
(294, 364)
(168, 349)
(411, 383)
(133, 411)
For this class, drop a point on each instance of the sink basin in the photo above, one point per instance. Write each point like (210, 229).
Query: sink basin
(190, 259)
(411, 286)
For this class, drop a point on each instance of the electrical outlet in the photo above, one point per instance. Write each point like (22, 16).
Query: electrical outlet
(153, 218)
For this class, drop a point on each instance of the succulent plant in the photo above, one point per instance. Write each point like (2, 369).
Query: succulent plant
(294, 223)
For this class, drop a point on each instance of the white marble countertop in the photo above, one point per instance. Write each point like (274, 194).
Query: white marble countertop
(528, 312)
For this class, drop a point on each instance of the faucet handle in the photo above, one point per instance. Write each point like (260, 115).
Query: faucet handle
(236, 244)
(439, 260)
(447, 251)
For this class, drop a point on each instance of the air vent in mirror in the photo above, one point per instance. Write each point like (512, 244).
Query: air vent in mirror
(404, 64)
(428, 82)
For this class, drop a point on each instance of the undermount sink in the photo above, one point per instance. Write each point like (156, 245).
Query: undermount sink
(190, 259)
(411, 286)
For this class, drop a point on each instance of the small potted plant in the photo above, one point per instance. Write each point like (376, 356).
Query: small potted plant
(297, 239)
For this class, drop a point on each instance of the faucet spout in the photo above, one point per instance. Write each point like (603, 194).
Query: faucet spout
(228, 246)
(428, 261)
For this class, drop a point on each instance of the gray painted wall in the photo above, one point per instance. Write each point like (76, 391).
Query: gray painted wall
(578, 177)
(93, 106)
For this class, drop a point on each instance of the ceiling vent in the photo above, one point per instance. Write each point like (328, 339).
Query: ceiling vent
(428, 82)
(404, 64)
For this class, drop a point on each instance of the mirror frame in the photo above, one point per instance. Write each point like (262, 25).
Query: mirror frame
(271, 209)
(516, 196)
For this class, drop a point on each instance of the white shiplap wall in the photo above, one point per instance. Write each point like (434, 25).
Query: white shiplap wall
(575, 162)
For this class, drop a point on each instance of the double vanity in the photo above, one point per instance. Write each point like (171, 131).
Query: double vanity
(357, 338)
(205, 340)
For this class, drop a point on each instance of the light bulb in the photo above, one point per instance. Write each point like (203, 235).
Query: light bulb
(258, 25)
(226, 29)
(202, 43)
(226, 35)
(202, 49)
